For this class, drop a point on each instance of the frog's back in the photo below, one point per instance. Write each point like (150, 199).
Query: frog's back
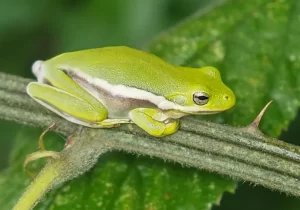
(123, 65)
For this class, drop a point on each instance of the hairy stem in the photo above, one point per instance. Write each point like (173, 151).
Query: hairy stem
(73, 161)
(41, 184)
(237, 152)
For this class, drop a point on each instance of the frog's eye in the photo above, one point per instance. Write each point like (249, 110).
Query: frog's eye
(200, 98)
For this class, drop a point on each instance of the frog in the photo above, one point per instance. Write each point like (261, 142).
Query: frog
(109, 86)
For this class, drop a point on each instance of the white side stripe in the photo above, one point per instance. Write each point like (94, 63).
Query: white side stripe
(130, 92)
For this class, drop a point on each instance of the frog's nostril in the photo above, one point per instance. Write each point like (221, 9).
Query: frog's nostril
(226, 97)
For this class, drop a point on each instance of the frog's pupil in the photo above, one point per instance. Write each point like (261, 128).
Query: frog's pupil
(202, 98)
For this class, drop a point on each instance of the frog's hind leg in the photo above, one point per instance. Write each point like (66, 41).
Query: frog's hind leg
(61, 94)
(72, 108)
(114, 122)
(59, 79)
(57, 91)
(66, 105)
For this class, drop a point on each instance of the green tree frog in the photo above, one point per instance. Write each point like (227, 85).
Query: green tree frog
(105, 87)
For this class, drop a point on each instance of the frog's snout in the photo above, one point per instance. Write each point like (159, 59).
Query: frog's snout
(229, 99)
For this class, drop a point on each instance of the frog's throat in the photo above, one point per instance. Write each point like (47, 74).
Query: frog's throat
(127, 92)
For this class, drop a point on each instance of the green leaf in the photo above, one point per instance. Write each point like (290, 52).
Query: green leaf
(255, 44)
(118, 181)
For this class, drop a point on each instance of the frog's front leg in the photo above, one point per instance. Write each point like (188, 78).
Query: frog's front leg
(154, 121)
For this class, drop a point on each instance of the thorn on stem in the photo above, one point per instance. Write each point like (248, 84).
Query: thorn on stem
(69, 142)
(41, 139)
(257, 120)
(254, 125)
(42, 153)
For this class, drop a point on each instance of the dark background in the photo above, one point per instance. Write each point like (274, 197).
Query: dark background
(31, 30)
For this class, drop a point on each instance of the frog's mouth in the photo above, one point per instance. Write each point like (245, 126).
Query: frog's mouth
(209, 112)
(205, 112)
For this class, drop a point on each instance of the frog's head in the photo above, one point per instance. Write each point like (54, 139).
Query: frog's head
(207, 93)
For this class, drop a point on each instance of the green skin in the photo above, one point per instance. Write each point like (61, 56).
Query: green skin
(108, 86)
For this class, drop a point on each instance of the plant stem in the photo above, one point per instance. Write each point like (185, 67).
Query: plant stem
(237, 152)
(40, 185)
(75, 160)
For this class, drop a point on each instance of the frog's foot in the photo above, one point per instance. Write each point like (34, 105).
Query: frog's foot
(110, 123)
(154, 122)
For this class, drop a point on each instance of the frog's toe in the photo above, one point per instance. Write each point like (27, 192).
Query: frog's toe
(143, 118)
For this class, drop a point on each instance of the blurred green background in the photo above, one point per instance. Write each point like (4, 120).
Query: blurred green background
(31, 30)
